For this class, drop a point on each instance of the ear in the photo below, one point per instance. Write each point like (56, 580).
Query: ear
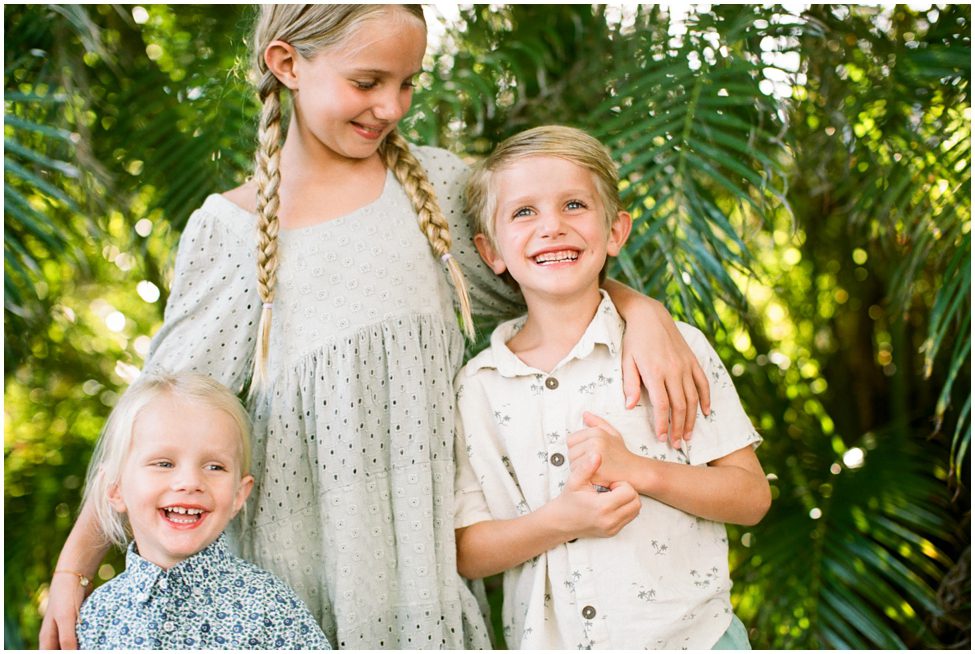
(490, 255)
(243, 491)
(281, 59)
(619, 231)
(115, 498)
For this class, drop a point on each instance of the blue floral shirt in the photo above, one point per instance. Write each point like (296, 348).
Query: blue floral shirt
(212, 600)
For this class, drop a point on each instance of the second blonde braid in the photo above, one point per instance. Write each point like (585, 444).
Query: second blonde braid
(267, 174)
(410, 174)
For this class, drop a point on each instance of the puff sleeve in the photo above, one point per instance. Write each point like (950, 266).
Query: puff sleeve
(211, 317)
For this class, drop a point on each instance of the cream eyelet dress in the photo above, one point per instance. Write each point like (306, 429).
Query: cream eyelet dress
(353, 439)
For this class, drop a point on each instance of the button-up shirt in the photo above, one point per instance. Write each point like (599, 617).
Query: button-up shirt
(663, 581)
(212, 600)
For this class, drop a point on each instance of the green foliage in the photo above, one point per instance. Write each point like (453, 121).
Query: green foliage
(801, 188)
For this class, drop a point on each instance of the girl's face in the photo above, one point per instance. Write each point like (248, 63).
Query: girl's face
(349, 97)
(182, 480)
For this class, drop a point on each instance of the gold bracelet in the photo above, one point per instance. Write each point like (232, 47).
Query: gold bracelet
(85, 581)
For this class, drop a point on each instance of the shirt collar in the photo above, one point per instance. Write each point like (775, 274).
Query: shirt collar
(194, 571)
(606, 328)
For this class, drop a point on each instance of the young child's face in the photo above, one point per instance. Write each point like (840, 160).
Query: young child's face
(349, 97)
(182, 480)
(550, 228)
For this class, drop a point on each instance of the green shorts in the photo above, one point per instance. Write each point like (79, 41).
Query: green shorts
(736, 636)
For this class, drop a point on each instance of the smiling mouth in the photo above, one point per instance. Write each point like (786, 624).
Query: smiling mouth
(561, 256)
(182, 515)
(370, 129)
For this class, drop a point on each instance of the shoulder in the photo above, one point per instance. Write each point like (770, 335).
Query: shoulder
(108, 597)
(222, 221)
(439, 163)
(263, 586)
(699, 343)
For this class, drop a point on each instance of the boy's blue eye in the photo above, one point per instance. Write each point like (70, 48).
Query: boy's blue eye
(216, 466)
(575, 204)
(163, 464)
(521, 213)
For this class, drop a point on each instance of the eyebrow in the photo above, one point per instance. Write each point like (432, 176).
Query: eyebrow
(381, 73)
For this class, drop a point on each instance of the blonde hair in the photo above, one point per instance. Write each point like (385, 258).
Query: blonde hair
(311, 29)
(569, 143)
(115, 443)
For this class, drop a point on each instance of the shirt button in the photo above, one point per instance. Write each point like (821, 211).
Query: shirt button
(551, 383)
(588, 613)
(163, 584)
(169, 626)
(557, 459)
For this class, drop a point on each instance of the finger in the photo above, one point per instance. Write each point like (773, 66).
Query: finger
(592, 420)
(631, 382)
(703, 387)
(661, 408)
(690, 393)
(48, 638)
(580, 436)
(66, 636)
(580, 474)
(678, 411)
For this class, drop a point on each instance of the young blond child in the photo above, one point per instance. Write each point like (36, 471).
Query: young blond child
(171, 471)
(607, 537)
(326, 284)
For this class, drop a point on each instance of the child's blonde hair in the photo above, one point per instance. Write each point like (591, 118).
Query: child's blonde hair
(112, 450)
(311, 29)
(567, 143)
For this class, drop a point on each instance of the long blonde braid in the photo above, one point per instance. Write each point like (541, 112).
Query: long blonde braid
(396, 154)
(267, 174)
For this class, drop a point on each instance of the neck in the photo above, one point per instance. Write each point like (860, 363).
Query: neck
(553, 327)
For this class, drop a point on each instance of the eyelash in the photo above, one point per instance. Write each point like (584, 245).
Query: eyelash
(368, 86)
(526, 211)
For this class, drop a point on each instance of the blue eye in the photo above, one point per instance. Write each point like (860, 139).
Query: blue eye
(162, 464)
(575, 204)
(523, 212)
(216, 466)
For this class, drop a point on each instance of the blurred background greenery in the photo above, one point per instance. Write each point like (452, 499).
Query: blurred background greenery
(801, 182)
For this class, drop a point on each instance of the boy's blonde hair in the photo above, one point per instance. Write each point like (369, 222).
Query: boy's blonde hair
(567, 143)
(311, 29)
(112, 450)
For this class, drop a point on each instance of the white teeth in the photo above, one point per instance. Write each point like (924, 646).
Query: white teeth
(556, 257)
(182, 510)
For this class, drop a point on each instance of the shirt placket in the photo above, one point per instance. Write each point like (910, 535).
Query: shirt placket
(579, 577)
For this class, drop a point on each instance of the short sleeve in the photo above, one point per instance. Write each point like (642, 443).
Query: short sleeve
(727, 428)
(491, 297)
(470, 505)
(211, 317)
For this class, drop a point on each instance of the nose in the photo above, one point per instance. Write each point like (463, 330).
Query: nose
(550, 224)
(188, 479)
(393, 103)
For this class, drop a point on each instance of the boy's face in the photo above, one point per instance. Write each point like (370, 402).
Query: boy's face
(550, 228)
(181, 483)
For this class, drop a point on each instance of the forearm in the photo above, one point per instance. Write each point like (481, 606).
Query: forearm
(493, 546)
(630, 303)
(723, 493)
(85, 547)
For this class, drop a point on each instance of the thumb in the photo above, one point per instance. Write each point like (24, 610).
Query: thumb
(582, 472)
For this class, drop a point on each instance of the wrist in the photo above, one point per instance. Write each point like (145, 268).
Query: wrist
(84, 581)
(647, 479)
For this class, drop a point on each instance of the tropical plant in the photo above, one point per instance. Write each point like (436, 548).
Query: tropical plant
(801, 189)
